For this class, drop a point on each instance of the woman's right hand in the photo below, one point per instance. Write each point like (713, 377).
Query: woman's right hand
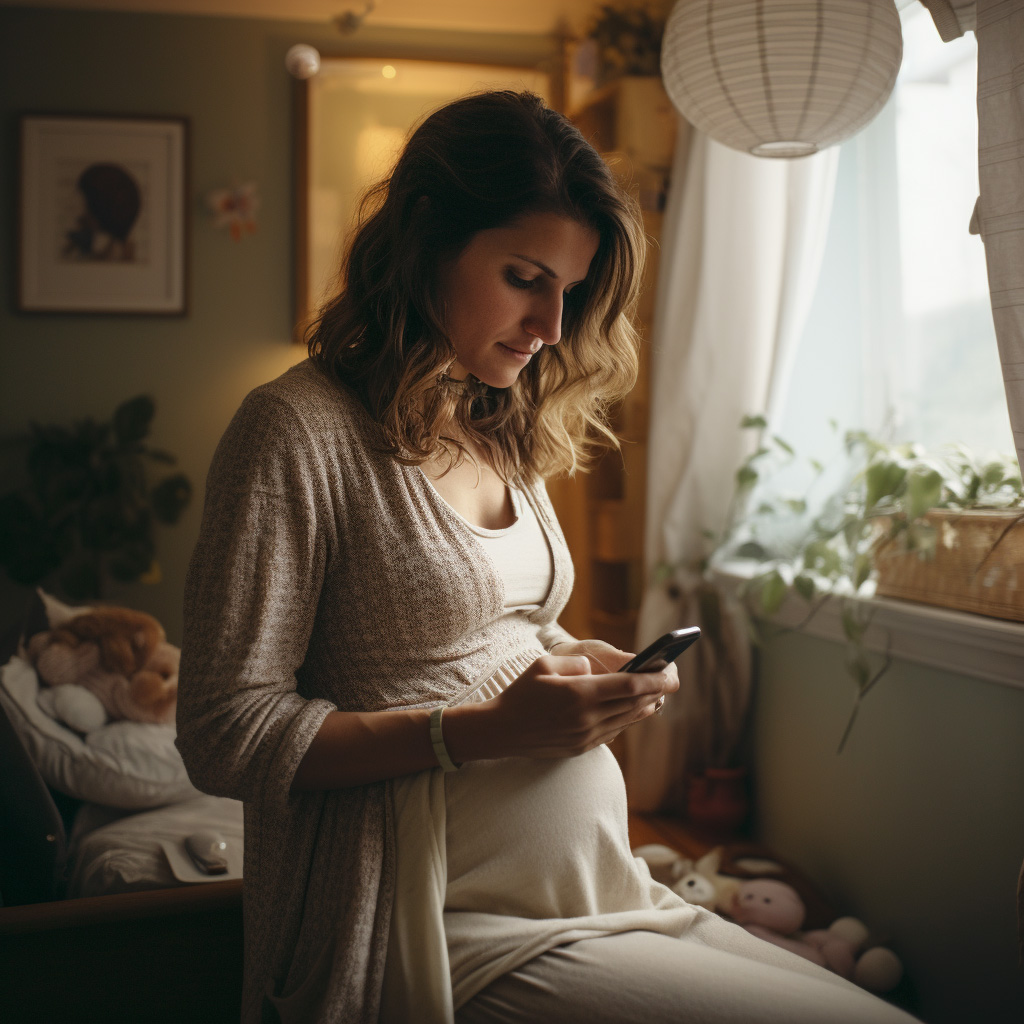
(557, 708)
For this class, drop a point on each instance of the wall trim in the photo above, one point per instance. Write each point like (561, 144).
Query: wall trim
(973, 645)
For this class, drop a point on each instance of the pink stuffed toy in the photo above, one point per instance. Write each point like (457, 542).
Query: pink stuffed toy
(773, 911)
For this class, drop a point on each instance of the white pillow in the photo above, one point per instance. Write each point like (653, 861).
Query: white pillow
(132, 765)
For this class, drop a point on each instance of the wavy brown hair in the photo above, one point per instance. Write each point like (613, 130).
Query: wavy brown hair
(479, 163)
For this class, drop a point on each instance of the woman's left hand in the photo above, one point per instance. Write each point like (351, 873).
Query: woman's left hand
(602, 657)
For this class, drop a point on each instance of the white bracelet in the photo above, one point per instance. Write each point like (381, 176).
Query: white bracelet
(437, 740)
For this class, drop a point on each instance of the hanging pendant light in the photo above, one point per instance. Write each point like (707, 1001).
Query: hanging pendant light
(781, 78)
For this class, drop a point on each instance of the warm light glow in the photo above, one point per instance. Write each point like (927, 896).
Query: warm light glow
(377, 148)
(388, 71)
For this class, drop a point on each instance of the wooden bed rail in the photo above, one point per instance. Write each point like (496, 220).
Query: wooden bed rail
(167, 955)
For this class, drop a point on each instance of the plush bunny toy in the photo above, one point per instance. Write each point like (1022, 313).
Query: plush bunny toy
(698, 882)
(773, 911)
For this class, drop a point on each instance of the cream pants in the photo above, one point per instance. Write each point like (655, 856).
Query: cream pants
(717, 974)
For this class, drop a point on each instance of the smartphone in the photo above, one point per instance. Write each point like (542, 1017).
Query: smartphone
(663, 651)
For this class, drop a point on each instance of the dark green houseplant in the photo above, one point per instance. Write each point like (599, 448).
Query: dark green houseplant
(88, 512)
(627, 38)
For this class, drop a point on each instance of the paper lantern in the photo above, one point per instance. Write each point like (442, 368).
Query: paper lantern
(781, 78)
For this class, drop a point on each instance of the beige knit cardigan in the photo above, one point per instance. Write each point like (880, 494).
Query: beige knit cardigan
(326, 576)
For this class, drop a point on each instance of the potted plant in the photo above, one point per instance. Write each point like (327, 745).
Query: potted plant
(626, 40)
(88, 513)
(903, 522)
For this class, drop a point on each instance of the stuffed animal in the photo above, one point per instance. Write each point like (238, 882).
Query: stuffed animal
(119, 655)
(773, 911)
(704, 886)
(698, 882)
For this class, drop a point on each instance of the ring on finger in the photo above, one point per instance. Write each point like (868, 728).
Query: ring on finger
(659, 705)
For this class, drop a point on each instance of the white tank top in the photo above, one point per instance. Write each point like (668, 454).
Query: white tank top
(521, 555)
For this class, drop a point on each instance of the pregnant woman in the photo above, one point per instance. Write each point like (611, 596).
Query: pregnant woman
(435, 829)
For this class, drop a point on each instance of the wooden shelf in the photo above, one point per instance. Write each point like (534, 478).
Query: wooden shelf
(632, 115)
(616, 536)
(616, 620)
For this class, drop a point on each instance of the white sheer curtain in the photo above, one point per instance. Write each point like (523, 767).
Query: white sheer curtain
(741, 248)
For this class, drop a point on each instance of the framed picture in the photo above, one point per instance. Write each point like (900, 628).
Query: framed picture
(102, 215)
(352, 119)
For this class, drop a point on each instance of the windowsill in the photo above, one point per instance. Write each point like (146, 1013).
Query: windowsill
(972, 645)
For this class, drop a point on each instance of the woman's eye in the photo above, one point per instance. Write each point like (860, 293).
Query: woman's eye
(516, 281)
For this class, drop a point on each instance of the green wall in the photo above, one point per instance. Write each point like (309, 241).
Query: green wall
(917, 827)
(227, 76)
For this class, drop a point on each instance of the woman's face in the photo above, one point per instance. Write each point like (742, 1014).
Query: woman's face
(503, 294)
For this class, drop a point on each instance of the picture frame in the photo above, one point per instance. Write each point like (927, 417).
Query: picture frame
(351, 120)
(102, 215)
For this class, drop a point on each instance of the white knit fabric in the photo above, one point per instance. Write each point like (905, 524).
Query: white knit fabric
(1000, 31)
(952, 17)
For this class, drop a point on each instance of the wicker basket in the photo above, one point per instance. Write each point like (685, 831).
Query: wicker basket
(965, 573)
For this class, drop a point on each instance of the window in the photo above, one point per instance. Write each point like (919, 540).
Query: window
(900, 340)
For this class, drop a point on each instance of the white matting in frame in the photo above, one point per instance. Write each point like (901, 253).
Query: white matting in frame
(102, 215)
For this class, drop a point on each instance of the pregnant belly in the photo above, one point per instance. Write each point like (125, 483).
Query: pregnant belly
(539, 838)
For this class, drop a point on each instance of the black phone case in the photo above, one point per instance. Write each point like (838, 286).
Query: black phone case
(663, 651)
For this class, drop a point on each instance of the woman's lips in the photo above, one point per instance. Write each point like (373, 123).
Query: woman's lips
(516, 353)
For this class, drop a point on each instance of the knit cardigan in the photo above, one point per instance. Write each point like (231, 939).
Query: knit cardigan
(327, 576)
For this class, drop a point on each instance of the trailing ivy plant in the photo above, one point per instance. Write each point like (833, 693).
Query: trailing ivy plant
(88, 512)
(825, 546)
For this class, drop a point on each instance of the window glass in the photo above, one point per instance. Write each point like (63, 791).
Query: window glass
(950, 387)
(900, 340)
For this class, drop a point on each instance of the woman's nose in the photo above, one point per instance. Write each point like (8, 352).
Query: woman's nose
(544, 320)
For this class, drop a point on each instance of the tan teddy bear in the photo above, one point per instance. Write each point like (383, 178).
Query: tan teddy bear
(120, 655)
